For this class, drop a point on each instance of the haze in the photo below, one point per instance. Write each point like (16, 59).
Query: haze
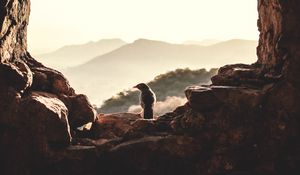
(136, 40)
(57, 23)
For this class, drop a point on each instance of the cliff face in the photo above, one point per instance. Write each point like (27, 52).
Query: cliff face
(246, 122)
(38, 108)
(278, 49)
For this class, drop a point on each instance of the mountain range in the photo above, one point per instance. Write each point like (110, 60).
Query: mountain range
(144, 59)
(74, 55)
(205, 42)
(158, 54)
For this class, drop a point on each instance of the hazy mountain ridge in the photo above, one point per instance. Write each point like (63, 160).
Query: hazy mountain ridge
(170, 84)
(187, 55)
(144, 59)
(73, 55)
(205, 42)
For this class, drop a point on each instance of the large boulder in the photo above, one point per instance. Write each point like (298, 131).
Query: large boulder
(18, 76)
(34, 126)
(81, 111)
(49, 80)
(150, 155)
(203, 98)
(46, 117)
(112, 126)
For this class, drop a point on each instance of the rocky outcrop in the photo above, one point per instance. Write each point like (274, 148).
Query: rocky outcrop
(278, 49)
(112, 126)
(245, 122)
(47, 116)
(36, 102)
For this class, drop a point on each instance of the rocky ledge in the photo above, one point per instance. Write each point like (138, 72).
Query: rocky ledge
(245, 122)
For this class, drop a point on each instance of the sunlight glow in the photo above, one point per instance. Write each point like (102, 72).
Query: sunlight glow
(59, 22)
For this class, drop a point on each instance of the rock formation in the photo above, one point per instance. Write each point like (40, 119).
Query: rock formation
(37, 105)
(246, 122)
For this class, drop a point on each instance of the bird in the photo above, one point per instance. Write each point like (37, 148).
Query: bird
(147, 99)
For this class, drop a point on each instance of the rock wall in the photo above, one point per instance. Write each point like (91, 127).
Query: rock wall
(245, 122)
(14, 21)
(278, 49)
(38, 109)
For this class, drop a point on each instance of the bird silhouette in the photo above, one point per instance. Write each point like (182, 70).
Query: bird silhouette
(147, 100)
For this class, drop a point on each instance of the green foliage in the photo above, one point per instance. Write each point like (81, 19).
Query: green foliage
(172, 83)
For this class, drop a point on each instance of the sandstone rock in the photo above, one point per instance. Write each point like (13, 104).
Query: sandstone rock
(285, 98)
(51, 81)
(32, 127)
(144, 126)
(152, 155)
(240, 75)
(202, 98)
(190, 122)
(14, 18)
(239, 96)
(9, 102)
(47, 117)
(40, 82)
(112, 126)
(31, 123)
(18, 76)
(278, 49)
(48, 80)
(81, 111)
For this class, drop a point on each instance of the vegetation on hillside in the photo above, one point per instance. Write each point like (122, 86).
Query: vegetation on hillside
(171, 84)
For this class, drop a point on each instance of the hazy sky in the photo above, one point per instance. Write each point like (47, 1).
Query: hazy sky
(54, 23)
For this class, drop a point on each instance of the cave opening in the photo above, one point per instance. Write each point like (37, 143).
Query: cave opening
(150, 39)
(245, 122)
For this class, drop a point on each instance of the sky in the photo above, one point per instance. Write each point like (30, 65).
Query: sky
(55, 23)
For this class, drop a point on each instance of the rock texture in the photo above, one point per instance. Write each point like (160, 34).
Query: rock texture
(278, 49)
(35, 100)
(245, 122)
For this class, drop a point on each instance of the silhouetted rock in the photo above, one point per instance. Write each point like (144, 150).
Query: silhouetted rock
(47, 116)
(202, 98)
(33, 120)
(80, 110)
(51, 81)
(113, 126)
(153, 155)
(17, 75)
(239, 75)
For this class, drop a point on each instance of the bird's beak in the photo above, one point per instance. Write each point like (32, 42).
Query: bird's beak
(134, 87)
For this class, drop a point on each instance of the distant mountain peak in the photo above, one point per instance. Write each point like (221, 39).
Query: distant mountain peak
(111, 40)
(80, 53)
(142, 40)
(147, 41)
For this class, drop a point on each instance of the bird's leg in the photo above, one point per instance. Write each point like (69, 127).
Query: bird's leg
(148, 112)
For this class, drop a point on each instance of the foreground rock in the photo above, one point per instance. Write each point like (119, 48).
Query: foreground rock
(81, 111)
(204, 98)
(46, 116)
(113, 126)
(33, 113)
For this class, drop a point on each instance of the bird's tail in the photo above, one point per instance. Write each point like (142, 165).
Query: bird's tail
(148, 112)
